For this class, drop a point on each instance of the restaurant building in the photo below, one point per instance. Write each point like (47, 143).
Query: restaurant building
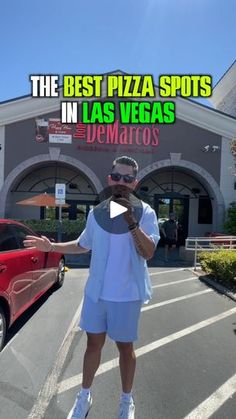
(188, 167)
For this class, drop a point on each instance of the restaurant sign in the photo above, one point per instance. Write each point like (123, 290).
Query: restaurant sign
(53, 131)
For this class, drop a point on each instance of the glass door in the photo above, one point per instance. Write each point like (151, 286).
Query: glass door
(180, 206)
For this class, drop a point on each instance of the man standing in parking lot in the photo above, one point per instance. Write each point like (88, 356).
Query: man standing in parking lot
(117, 286)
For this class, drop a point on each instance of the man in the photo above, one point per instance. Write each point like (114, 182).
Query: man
(169, 230)
(117, 286)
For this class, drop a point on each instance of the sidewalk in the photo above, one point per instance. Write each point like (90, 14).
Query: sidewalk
(214, 284)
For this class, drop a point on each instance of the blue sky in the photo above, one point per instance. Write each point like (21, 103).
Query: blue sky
(136, 36)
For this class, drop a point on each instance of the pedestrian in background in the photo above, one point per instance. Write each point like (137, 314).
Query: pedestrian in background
(170, 232)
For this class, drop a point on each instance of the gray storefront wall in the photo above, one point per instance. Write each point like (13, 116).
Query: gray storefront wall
(180, 146)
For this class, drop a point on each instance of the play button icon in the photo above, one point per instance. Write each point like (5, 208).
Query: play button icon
(109, 213)
(116, 209)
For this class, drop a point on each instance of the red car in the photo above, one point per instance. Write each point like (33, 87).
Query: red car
(25, 274)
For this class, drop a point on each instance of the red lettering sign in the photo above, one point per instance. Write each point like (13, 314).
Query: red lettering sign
(110, 134)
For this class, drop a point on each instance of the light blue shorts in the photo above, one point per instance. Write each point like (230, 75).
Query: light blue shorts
(118, 319)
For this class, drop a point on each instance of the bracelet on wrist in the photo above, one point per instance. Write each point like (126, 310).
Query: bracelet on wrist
(52, 248)
(133, 226)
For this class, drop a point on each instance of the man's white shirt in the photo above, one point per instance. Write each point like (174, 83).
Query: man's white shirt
(117, 271)
(119, 283)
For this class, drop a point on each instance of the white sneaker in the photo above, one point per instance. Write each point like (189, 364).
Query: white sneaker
(127, 410)
(81, 407)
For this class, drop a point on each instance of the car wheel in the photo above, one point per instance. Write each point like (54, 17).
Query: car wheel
(60, 274)
(2, 328)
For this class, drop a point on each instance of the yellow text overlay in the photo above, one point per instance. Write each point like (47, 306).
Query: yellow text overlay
(82, 86)
(186, 85)
(130, 86)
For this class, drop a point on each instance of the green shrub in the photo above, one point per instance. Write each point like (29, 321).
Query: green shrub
(221, 264)
(69, 227)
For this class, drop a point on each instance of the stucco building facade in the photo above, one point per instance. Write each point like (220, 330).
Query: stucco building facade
(187, 167)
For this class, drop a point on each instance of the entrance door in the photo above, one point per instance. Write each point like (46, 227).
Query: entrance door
(164, 204)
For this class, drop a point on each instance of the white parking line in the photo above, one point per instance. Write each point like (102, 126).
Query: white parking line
(49, 388)
(174, 300)
(9, 343)
(215, 401)
(175, 282)
(167, 272)
(107, 366)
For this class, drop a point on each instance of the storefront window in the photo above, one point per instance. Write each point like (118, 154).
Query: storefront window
(65, 213)
(75, 211)
(81, 212)
(49, 213)
(204, 210)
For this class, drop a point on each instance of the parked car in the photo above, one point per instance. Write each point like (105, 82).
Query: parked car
(25, 274)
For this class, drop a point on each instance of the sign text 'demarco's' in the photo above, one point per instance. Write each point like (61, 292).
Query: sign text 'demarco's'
(53, 131)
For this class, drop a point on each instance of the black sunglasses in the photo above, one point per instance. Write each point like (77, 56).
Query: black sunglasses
(116, 177)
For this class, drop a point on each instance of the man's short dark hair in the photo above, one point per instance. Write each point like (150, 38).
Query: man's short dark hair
(128, 161)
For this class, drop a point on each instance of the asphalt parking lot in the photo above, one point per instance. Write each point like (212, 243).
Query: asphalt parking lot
(185, 354)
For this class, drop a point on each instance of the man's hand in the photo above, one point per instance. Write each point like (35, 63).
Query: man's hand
(40, 243)
(44, 245)
(128, 215)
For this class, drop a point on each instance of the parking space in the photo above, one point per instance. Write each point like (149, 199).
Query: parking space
(185, 355)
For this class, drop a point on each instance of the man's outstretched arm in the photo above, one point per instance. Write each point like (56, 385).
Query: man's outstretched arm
(44, 245)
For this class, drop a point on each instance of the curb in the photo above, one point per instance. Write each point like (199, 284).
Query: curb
(221, 288)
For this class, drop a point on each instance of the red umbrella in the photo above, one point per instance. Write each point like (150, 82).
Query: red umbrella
(42, 200)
